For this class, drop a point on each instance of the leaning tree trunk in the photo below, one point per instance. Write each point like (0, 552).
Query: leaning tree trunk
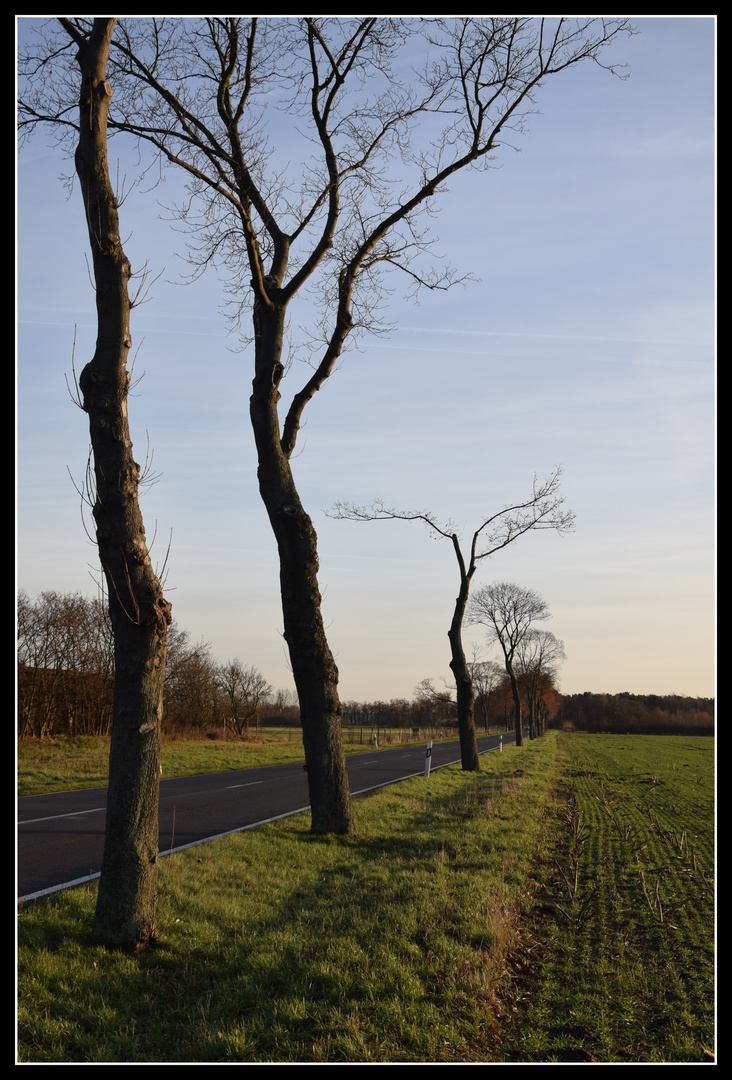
(463, 682)
(313, 667)
(125, 911)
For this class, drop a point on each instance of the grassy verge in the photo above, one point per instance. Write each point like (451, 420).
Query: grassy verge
(483, 917)
(279, 946)
(61, 764)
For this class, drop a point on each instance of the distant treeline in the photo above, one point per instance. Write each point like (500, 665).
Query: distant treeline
(66, 687)
(642, 714)
(493, 703)
(66, 677)
(66, 683)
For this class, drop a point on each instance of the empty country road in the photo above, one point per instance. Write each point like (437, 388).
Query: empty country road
(61, 835)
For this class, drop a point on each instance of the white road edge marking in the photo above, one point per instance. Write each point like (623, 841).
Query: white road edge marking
(218, 836)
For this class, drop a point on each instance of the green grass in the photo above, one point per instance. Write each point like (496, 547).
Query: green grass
(279, 946)
(442, 932)
(625, 926)
(63, 764)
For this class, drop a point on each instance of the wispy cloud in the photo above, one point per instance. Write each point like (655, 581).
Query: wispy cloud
(546, 336)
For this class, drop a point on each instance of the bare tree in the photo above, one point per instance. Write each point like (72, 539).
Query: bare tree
(125, 910)
(486, 676)
(245, 690)
(543, 509)
(191, 683)
(326, 228)
(65, 665)
(508, 611)
(538, 657)
(439, 703)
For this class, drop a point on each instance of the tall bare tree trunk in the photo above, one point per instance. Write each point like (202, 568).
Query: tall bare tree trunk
(463, 682)
(125, 911)
(313, 667)
(517, 716)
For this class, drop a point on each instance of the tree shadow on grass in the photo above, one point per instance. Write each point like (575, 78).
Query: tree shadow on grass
(361, 950)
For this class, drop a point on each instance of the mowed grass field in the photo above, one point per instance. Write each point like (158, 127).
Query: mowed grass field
(555, 907)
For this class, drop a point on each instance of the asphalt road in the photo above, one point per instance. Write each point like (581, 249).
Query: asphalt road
(61, 835)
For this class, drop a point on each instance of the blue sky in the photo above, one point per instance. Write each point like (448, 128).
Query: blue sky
(587, 340)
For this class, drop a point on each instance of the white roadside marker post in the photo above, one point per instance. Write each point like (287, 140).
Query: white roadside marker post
(427, 759)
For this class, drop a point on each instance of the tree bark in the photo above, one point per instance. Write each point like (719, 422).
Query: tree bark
(313, 667)
(533, 719)
(469, 756)
(466, 709)
(125, 911)
(517, 718)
